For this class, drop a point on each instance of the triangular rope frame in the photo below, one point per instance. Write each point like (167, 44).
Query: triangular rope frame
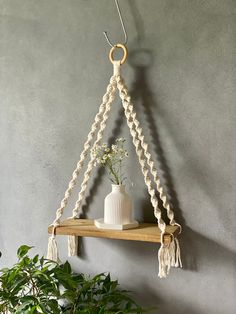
(168, 254)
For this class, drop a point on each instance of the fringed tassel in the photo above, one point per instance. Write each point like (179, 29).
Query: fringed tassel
(167, 256)
(72, 245)
(172, 252)
(163, 261)
(52, 252)
(178, 262)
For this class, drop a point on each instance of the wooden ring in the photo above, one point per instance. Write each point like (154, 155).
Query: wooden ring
(119, 46)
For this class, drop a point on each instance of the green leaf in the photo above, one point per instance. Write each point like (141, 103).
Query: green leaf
(67, 267)
(25, 306)
(12, 274)
(35, 310)
(35, 259)
(53, 305)
(23, 250)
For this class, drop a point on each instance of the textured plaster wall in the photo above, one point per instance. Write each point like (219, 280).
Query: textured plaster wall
(182, 75)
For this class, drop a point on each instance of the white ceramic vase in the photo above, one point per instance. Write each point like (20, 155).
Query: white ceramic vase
(117, 206)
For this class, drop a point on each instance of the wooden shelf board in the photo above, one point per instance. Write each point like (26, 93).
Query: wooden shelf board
(147, 232)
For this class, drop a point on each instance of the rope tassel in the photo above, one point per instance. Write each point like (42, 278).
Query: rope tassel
(72, 245)
(52, 252)
(163, 259)
(168, 256)
(178, 261)
(172, 248)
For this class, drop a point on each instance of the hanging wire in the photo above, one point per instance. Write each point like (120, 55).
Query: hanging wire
(122, 24)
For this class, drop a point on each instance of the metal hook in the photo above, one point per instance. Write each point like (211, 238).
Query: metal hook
(122, 24)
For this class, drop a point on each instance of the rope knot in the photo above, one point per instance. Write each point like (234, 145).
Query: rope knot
(116, 68)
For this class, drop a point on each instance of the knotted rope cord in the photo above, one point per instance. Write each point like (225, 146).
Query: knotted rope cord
(52, 252)
(123, 92)
(175, 259)
(87, 174)
(164, 256)
(168, 255)
(150, 162)
(132, 123)
(107, 98)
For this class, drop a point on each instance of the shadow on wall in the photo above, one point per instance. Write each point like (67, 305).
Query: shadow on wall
(162, 306)
(195, 245)
(204, 250)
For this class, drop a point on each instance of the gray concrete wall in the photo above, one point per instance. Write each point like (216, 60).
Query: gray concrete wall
(181, 73)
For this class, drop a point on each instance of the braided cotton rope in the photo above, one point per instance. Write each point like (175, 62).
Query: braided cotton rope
(150, 162)
(142, 152)
(92, 158)
(168, 255)
(107, 98)
(123, 92)
(152, 167)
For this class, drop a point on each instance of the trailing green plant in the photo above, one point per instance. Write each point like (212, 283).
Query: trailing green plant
(37, 285)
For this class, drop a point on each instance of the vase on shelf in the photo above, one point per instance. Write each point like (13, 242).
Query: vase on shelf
(117, 206)
(117, 210)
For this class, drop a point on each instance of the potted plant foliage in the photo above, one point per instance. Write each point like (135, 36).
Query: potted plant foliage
(37, 285)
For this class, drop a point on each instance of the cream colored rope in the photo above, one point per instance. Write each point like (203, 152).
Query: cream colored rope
(107, 99)
(148, 156)
(151, 165)
(153, 170)
(142, 151)
(168, 255)
(89, 169)
(123, 92)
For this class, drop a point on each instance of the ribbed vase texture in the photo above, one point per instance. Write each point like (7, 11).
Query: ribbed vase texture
(117, 206)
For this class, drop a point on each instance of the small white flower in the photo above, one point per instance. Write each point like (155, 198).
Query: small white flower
(110, 157)
(121, 139)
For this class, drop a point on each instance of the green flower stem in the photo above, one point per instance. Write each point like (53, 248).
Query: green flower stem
(120, 174)
(114, 174)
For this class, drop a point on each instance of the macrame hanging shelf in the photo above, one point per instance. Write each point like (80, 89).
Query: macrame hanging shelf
(74, 227)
